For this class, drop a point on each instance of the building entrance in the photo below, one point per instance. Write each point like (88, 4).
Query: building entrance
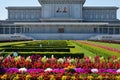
(61, 30)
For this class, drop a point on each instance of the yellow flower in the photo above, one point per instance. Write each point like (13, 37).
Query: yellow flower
(28, 59)
(44, 59)
(4, 77)
(100, 77)
(52, 77)
(28, 77)
(118, 77)
(73, 78)
(17, 58)
(64, 77)
(16, 78)
(40, 78)
(90, 77)
(81, 77)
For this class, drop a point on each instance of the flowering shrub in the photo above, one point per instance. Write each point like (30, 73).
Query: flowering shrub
(43, 68)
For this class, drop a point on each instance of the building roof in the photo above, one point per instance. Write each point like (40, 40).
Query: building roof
(24, 7)
(61, 1)
(100, 7)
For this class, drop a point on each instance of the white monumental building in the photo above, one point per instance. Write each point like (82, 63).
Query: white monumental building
(61, 19)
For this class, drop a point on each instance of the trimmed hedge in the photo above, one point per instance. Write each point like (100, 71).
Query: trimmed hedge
(37, 49)
(48, 54)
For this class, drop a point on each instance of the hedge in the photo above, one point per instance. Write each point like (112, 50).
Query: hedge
(49, 54)
(37, 49)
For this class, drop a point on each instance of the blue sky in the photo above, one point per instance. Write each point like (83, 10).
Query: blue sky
(6, 3)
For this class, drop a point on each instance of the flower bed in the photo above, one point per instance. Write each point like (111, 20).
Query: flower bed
(36, 67)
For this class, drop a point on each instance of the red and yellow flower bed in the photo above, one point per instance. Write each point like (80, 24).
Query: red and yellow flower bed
(42, 68)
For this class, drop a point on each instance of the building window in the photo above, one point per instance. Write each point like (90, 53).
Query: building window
(61, 30)
(12, 30)
(6, 30)
(100, 30)
(105, 30)
(18, 30)
(1, 30)
(95, 30)
(110, 30)
(26, 30)
(117, 30)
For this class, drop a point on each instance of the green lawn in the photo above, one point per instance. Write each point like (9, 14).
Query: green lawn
(78, 48)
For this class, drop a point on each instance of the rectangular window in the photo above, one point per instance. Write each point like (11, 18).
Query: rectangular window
(100, 30)
(117, 30)
(1, 30)
(95, 30)
(105, 30)
(110, 30)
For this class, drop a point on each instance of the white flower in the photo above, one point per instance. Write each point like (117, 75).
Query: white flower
(60, 60)
(48, 70)
(71, 60)
(22, 70)
(94, 70)
(1, 57)
(118, 71)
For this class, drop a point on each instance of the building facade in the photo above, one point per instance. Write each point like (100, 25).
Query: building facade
(61, 19)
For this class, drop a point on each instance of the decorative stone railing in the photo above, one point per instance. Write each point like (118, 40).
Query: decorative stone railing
(61, 1)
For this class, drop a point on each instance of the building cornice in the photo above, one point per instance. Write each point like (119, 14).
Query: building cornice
(61, 1)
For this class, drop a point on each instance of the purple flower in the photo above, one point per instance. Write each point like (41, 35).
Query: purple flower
(12, 70)
(35, 70)
(110, 70)
(59, 70)
(3, 70)
(56, 70)
(79, 70)
(102, 70)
